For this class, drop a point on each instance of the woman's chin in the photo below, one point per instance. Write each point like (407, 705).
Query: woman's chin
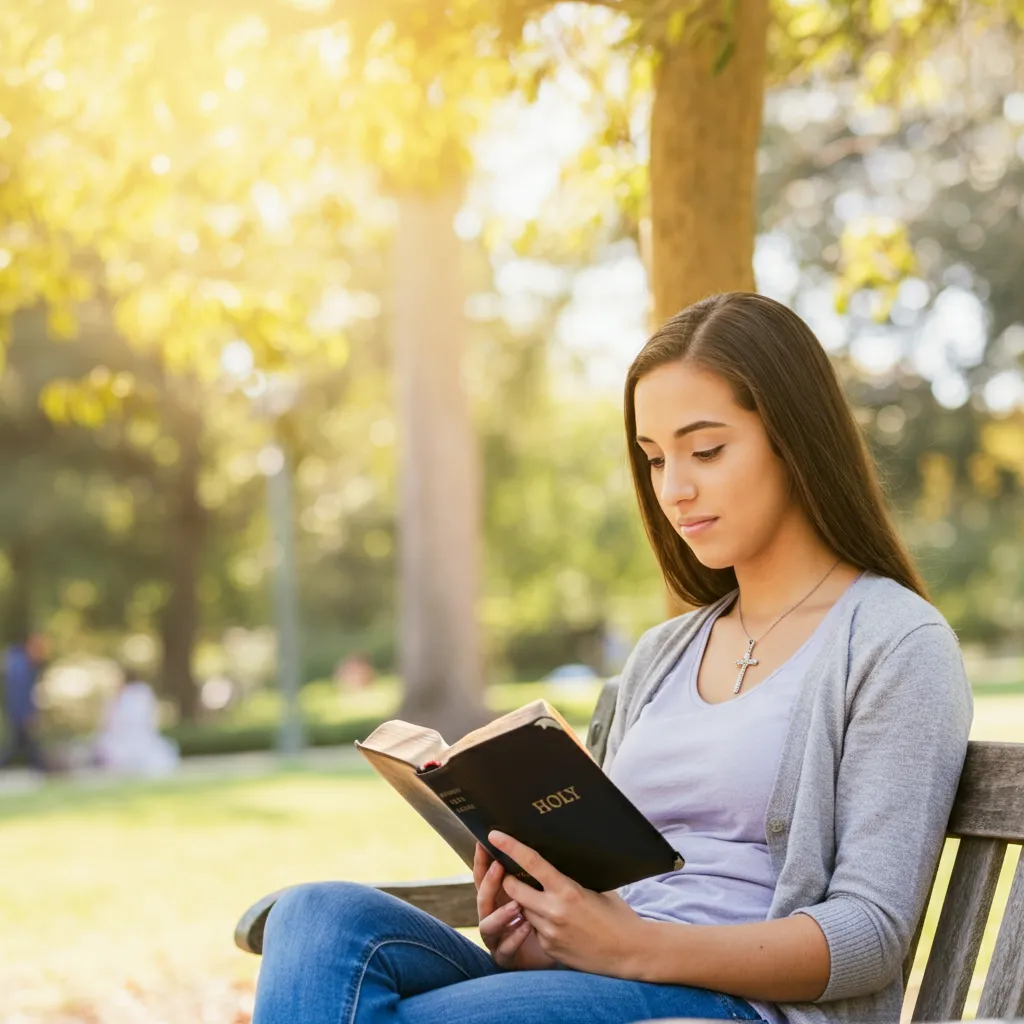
(711, 557)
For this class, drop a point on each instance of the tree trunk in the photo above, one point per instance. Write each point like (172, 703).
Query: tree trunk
(705, 130)
(186, 541)
(439, 489)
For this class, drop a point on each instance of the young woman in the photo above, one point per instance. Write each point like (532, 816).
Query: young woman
(798, 738)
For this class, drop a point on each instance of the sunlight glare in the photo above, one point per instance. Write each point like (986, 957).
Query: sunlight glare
(236, 359)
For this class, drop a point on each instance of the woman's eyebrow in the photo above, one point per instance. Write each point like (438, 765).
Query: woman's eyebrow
(688, 429)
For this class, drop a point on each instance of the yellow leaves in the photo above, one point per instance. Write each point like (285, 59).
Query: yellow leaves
(937, 480)
(632, 193)
(875, 255)
(641, 74)
(420, 91)
(178, 355)
(335, 350)
(223, 293)
(880, 15)
(53, 400)
(66, 401)
(885, 40)
(984, 473)
(88, 410)
(143, 316)
(878, 74)
(676, 27)
(89, 402)
(188, 237)
(1003, 442)
(117, 385)
(924, 85)
(61, 322)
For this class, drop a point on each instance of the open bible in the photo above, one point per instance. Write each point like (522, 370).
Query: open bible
(528, 775)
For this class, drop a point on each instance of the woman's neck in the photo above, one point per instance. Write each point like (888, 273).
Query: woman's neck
(784, 573)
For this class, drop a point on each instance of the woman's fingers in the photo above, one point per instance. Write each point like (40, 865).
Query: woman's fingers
(512, 942)
(481, 862)
(489, 893)
(494, 925)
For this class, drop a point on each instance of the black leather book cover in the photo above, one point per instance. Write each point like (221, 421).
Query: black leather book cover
(537, 784)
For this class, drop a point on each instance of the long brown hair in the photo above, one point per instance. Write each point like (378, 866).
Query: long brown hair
(777, 368)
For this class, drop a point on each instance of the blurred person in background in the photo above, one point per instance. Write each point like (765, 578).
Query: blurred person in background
(355, 672)
(23, 661)
(129, 742)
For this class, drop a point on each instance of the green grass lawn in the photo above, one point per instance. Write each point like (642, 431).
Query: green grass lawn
(118, 901)
(141, 885)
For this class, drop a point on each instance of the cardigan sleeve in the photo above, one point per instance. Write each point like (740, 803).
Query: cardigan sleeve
(632, 680)
(904, 747)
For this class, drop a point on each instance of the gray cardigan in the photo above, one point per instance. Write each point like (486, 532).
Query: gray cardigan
(858, 811)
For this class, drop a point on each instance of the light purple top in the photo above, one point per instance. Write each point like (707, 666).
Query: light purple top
(702, 774)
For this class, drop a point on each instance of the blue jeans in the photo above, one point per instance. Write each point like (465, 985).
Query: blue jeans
(342, 953)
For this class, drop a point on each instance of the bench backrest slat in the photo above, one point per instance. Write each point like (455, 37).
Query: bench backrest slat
(908, 960)
(1003, 994)
(965, 910)
(990, 799)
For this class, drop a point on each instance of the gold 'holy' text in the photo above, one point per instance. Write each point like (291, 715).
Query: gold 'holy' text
(555, 800)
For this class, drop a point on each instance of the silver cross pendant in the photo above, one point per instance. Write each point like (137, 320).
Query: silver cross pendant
(745, 664)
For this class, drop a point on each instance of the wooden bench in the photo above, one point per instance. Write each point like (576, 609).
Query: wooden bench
(987, 817)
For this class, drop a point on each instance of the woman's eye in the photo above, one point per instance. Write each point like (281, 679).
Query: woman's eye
(708, 454)
(656, 463)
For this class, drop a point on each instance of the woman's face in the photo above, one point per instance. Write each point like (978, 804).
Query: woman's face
(712, 467)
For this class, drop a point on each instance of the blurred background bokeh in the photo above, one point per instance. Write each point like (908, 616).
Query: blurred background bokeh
(314, 316)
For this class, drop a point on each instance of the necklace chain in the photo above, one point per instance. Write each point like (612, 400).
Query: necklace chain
(747, 661)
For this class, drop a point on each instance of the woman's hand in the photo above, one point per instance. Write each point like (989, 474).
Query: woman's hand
(505, 932)
(588, 931)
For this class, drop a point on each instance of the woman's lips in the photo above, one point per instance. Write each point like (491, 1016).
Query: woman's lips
(700, 526)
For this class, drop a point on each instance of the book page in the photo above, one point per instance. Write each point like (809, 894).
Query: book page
(410, 743)
(402, 777)
(526, 715)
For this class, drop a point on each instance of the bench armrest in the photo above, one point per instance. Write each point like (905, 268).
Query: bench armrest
(451, 900)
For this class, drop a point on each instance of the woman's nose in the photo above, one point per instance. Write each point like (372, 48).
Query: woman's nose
(676, 485)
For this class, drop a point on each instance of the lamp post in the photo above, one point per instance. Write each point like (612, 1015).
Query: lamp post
(273, 396)
(274, 401)
(286, 602)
